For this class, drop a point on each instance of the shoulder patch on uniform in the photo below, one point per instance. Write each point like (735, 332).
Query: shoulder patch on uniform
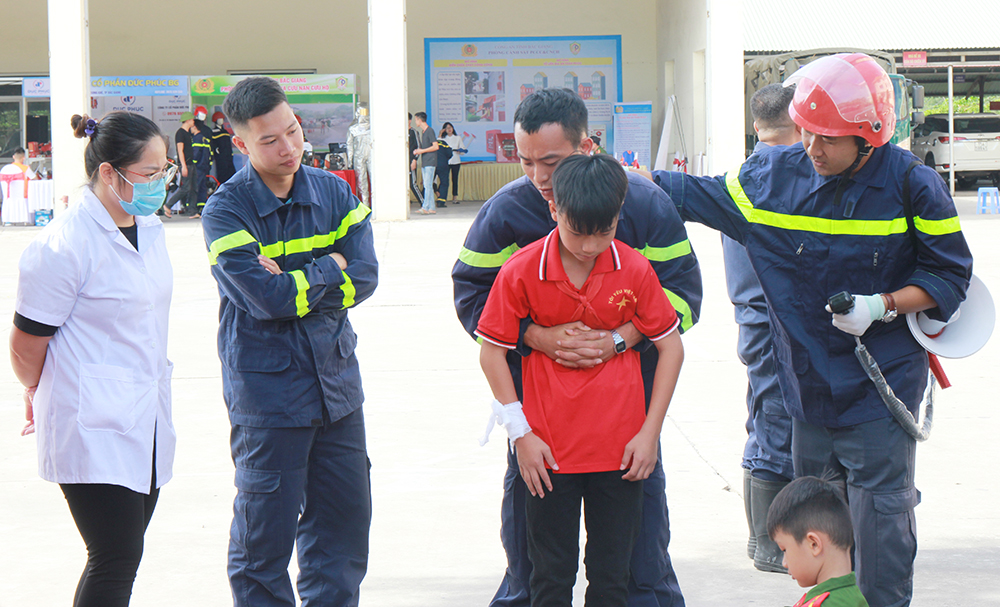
(816, 601)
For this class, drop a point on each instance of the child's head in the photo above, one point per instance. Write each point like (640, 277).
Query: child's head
(588, 194)
(811, 523)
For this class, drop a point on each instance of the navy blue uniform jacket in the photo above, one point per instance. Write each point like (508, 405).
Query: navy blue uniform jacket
(805, 249)
(286, 345)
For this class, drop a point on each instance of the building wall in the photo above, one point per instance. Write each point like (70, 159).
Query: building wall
(184, 37)
(332, 37)
(681, 33)
(328, 36)
(449, 19)
(700, 42)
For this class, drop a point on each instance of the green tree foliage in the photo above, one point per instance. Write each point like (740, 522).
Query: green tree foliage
(963, 105)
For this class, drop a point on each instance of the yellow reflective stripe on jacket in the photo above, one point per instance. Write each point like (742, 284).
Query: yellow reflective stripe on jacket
(738, 195)
(227, 242)
(353, 218)
(486, 260)
(838, 227)
(682, 307)
(349, 291)
(319, 241)
(302, 288)
(937, 227)
(666, 253)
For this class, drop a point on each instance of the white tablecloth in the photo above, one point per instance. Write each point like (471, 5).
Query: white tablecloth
(20, 210)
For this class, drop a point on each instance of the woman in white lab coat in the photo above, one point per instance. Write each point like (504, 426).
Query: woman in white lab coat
(89, 344)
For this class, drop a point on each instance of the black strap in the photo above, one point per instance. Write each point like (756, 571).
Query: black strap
(911, 228)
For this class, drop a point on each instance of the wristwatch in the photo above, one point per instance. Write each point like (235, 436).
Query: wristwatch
(890, 309)
(619, 342)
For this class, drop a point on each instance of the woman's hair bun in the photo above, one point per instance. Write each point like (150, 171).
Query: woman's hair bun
(83, 126)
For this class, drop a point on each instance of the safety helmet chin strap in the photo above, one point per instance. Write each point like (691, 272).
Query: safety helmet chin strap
(863, 152)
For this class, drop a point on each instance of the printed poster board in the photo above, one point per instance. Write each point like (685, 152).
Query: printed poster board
(324, 102)
(477, 83)
(633, 127)
(162, 99)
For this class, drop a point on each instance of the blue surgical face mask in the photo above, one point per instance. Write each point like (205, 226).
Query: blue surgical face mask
(146, 197)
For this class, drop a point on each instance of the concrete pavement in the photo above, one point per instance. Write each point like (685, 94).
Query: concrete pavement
(436, 493)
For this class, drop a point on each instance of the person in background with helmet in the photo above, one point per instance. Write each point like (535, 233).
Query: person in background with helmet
(201, 157)
(222, 149)
(827, 217)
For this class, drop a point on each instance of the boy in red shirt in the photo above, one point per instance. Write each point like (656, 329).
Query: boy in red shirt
(579, 429)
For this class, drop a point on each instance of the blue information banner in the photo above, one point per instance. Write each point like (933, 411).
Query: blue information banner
(117, 86)
(477, 83)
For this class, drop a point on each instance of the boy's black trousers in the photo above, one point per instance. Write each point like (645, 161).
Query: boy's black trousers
(612, 514)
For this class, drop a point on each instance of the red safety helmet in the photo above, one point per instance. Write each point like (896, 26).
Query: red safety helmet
(843, 95)
(202, 110)
(216, 116)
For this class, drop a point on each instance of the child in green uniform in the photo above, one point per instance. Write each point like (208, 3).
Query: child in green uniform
(811, 524)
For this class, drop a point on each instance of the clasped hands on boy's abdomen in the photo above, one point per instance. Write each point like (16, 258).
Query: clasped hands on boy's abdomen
(575, 344)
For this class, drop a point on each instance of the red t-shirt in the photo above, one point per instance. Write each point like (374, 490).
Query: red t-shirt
(586, 416)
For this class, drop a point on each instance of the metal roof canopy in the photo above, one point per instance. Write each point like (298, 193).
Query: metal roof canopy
(962, 34)
(788, 25)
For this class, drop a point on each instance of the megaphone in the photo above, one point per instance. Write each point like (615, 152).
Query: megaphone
(963, 336)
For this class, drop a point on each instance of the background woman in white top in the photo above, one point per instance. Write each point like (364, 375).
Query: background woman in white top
(457, 145)
(89, 343)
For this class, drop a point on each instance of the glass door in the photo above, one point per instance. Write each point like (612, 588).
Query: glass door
(10, 127)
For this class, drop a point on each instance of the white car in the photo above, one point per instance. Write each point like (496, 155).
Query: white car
(977, 146)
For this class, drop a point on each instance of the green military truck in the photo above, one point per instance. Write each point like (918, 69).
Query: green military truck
(764, 70)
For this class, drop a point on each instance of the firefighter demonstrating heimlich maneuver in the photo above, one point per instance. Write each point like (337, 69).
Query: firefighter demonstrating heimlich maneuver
(826, 217)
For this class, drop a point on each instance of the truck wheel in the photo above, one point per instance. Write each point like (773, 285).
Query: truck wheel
(929, 160)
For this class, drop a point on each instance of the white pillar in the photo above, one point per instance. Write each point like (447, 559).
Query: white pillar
(951, 128)
(724, 87)
(387, 104)
(69, 69)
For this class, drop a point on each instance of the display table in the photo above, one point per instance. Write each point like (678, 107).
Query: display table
(22, 210)
(481, 180)
(41, 195)
(351, 179)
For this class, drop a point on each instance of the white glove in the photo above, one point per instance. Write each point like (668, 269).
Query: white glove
(867, 309)
(510, 417)
(933, 328)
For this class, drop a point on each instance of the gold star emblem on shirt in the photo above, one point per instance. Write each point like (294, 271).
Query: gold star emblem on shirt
(624, 302)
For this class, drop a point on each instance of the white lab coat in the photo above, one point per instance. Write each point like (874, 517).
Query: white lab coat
(105, 384)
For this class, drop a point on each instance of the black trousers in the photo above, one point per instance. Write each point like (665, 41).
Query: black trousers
(441, 187)
(112, 521)
(187, 193)
(454, 178)
(612, 514)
